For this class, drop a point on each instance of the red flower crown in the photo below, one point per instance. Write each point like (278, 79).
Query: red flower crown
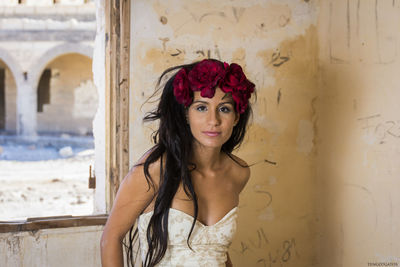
(206, 76)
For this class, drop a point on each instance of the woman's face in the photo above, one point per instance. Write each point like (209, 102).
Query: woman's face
(212, 120)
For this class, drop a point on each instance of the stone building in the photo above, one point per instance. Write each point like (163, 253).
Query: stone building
(46, 84)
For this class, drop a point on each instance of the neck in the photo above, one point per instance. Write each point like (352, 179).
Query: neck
(206, 159)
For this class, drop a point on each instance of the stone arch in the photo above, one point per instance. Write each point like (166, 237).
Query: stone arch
(12, 64)
(65, 87)
(37, 68)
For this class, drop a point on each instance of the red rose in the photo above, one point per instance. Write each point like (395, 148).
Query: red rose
(235, 78)
(236, 83)
(181, 88)
(249, 89)
(241, 105)
(205, 76)
(208, 74)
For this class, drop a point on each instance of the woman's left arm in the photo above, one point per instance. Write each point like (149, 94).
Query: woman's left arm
(228, 261)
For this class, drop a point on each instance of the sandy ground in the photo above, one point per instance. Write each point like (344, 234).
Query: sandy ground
(36, 181)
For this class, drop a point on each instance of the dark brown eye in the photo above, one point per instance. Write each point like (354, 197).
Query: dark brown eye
(201, 108)
(225, 109)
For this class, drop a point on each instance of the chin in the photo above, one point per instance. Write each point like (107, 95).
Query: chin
(210, 144)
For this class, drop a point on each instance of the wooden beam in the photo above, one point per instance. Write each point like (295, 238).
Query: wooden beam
(117, 94)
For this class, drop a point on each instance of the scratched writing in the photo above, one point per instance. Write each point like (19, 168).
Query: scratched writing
(381, 129)
(278, 257)
(175, 52)
(258, 243)
(277, 59)
(265, 194)
(178, 52)
(209, 53)
(233, 16)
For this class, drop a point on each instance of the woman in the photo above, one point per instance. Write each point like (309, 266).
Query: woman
(185, 190)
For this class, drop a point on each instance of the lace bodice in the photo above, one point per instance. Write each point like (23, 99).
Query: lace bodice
(210, 243)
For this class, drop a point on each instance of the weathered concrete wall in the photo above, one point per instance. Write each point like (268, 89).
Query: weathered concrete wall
(276, 43)
(358, 133)
(72, 94)
(64, 247)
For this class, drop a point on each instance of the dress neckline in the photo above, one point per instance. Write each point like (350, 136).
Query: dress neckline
(197, 221)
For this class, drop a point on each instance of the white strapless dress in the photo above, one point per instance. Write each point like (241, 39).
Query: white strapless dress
(210, 243)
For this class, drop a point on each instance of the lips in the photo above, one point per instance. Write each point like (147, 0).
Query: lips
(212, 134)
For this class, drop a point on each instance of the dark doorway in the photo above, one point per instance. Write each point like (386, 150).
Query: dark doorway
(43, 92)
(2, 100)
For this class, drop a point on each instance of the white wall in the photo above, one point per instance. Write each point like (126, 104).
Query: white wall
(63, 247)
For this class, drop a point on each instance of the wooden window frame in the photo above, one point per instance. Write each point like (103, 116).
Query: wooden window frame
(118, 14)
(117, 55)
(35, 224)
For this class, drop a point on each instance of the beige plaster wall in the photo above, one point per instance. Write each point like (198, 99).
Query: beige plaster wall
(276, 43)
(358, 133)
(10, 99)
(73, 96)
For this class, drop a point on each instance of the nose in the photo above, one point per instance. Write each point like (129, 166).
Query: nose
(213, 118)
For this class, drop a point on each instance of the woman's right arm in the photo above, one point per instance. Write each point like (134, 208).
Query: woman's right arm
(132, 198)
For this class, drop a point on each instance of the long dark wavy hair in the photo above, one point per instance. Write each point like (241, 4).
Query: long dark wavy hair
(173, 143)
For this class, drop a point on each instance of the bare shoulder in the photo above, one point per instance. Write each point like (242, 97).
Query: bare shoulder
(240, 171)
(137, 172)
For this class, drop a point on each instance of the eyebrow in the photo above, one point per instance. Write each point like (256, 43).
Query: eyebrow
(228, 95)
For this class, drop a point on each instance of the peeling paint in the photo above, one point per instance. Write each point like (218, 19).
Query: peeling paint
(52, 247)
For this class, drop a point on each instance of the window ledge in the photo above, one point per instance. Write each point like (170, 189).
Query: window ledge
(34, 224)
